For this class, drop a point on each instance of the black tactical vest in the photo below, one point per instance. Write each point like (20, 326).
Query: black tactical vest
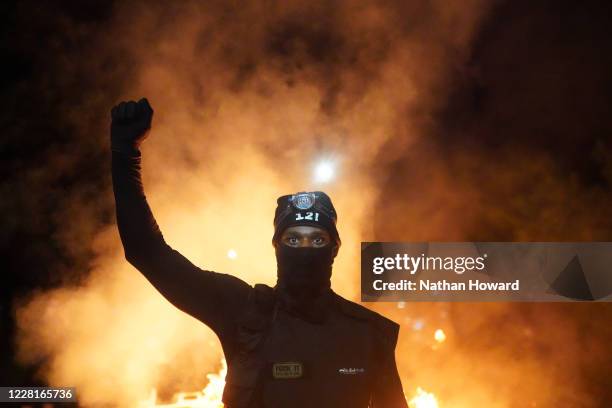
(284, 361)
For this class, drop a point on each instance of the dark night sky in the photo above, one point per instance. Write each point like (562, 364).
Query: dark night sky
(524, 127)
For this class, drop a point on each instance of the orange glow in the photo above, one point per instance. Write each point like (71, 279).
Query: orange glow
(236, 126)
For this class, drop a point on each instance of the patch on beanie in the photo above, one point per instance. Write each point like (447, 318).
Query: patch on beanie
(303, 201)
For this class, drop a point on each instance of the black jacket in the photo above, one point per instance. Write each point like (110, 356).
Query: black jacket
(346, 360)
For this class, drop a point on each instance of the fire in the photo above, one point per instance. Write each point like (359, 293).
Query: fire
(423, 399)
(209, 397)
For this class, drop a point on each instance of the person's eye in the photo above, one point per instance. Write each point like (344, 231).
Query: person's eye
(293, 241)
(319, 241)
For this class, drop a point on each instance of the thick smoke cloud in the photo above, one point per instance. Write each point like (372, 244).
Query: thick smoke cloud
(446, 123)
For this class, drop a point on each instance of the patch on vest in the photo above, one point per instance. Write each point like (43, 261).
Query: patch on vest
(287, 370)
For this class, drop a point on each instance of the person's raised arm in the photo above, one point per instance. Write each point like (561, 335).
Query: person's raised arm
(211, 297)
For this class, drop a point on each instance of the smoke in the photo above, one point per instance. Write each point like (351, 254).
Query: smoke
(247, 97)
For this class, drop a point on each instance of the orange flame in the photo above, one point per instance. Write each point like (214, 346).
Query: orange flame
(209, 397)
(423, 399)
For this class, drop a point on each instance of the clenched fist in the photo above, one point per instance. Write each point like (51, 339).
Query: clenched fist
(130, 124)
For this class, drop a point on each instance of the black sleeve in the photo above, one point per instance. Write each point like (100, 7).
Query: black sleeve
(215, 299)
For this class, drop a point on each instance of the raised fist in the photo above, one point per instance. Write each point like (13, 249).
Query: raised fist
(130, 124)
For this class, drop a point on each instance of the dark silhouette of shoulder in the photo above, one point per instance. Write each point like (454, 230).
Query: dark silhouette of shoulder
(387, 328)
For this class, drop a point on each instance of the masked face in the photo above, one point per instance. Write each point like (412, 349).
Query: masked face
(304, 259)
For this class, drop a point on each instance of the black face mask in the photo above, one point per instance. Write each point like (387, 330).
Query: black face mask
(306, 270)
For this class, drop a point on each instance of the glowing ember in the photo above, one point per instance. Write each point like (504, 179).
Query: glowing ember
(439, 335)
(209, 397)
(423, 399)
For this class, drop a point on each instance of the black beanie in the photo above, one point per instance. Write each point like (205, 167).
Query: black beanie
(305, 208)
